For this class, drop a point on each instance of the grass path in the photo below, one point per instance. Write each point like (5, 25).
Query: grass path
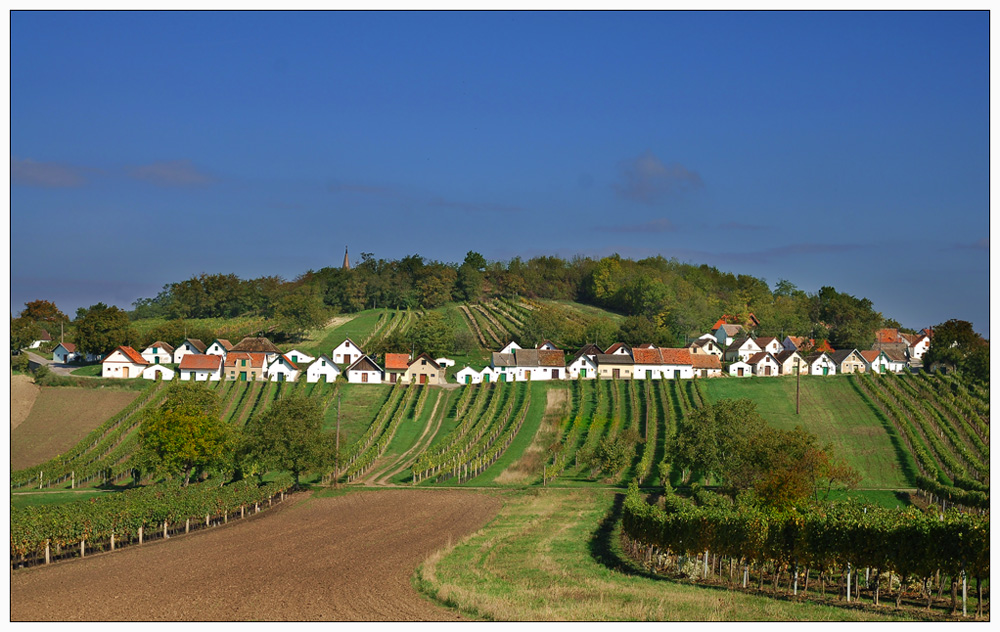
(382, 473)
(541, 560)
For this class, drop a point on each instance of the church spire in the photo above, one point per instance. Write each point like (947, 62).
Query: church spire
(347, 261)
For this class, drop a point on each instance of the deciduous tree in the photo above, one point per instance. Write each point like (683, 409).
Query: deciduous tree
(289, 436)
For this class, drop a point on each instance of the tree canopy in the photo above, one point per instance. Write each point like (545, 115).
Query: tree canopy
(288, 436)
(101, 329)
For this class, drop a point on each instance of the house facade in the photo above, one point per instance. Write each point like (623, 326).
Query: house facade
(191, 345)
(821, 364)
(200, 367)
(582, 366)
(283, 370)
(347, 352)
(848, 361)
(364, 371)
(123, 363)
(158, 353)
(158, 372)
(424, 370)
(244, 366)
(323, 369)
(741, 349)
(788, 360)
(468, 375)
(706, 365)
(220, 347)
(614, 366)
(740, 369)
(763, 364)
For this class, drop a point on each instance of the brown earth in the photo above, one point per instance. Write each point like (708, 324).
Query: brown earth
(348, 558)
(22, 396)
(60, 417)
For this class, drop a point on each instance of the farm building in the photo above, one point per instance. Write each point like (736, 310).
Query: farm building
(613, 366)
(445, 361)
(705, 346)
(65, 352)
(741, 349)
(763, 364)
(158, 353)
(43, 338)
(191, 345)
(546, 345)
(619, 348)
(875, 360)
(706, 365)
(788, 360)
(740, 369)
(258, 344)
(769, 344)
(158, 372)
(123, 363)
(299, 357)
(323, 369)
(347, 352)
(200, 367)
(821, 364)
(725, 334)
(530, 364)
(677, 364)
(244, 366)
(510, 347)
(283, 370)
(395, 366)
(364, 371)
(220, 347)
(468, 375)
(848, 361)
(582, 366)
(424, 370)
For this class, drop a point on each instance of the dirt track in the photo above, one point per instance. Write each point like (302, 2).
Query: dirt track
(311, 559)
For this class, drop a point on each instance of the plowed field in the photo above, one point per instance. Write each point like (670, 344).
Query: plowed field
(348, 558)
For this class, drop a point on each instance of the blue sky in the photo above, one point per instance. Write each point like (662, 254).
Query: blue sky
(844, 149)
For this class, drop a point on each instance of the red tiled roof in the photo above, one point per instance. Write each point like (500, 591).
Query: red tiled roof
(551, 357)
(870, 355)
(647, 356)
(68, 346)
(289, 361)
(44, 336)
(398, 361)
(616, 347)
(133, 356)
(823, 346)
(888, 335)
(705, 361)
(676, 356)
(200, 362)
(256, 359)
(718, 323)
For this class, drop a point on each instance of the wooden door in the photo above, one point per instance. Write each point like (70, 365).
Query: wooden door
(423, 378)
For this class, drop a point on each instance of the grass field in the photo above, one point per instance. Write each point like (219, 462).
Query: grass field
(20, 501)
(550, 556)
(59, 418)
(90, 370)
(359, 405)
(831, 409)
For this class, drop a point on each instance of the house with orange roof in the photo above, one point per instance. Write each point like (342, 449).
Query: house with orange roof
(677, 363)
(323, 369)
(200, 367)
(123, 363)
(395, 366)
(220, 347)
(245, 366)
(798, 343)
(282, 369)
(647, 364)
(875, 360)
(706, 365)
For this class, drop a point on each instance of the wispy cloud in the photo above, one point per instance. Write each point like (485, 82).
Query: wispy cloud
(647, 179)
(739, 226)
(45, 174)
(660, 225)
(980, 244)
(171, 173)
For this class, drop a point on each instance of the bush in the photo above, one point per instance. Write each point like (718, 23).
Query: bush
(42, 371)
(19, 362)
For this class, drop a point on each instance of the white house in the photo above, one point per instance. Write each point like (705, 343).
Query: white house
(282, 370)
(726, 334)
(201, 367)
(788, 360)
(445, 361)
(42, 339)
(530, 364)
(918, 345)
(875, 360)
(769, 344)
(299, 357)
(491, 374)
(647, 364)
(468, 375)
(821, 364)
(764, 364)
(123, 362)
(347, 353)
(706, 365)
(897, 360)
(155, 371)
(323, 369)
(364, 371)
(510, 347)
(158, 353)
(677, 364)
(582, 366)
(191, 345)
(220, 347)
(741, 349)
(740, 369)
(619, 348)
(546, 345)
(706, 346)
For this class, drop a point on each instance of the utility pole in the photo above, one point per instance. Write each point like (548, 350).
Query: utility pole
(798, 380)
(61, 333)
(336, 478)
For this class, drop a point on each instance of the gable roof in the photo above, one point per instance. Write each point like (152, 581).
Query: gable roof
(68, 346)
(197, 344)
(766, 340)
(353, 344)
(646, 356)
(225, 344)
(255, 344)
(870, 355)
(588, 349)
(739, 342)
(364, 363)
(329, 363)
(551, 357)
(286, 360)
(397, 361)
(526, 357)
(44, 336)
(131, 354)
(731, 330)
(840, 356)
(613, 358)
(256, 359)
(782, 356)
(546, 342)
(159, 343)
(503, 359)
(759, 357)
(812, 358)
(676, 356)
(895, 355)
(703, 342)
(616, 347)
(200, 362)
(705, 361)
(718, 323)
(424, 356)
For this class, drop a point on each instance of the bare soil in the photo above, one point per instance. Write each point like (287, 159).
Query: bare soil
(59, 418)
(348, 558)
(22, 397)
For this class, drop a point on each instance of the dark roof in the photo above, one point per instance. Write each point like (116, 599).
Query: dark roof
(616, 347)
(739, 342)
(758, 357)
(613, 358)
(812, 357)
(546, 342)
(503, 359)
(159, 343)
(364, 363)
(526, 357)
(197, 344)
(588, 349)
(765, 340)
(894, 354)
(430, 360)
(840, 356)
(256, 344)
(550, 357)
(225, 344)
(731, 330)
(704, 342)
(782, 356)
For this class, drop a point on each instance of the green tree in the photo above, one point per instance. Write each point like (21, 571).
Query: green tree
(288, 436)
(102, 329)
(431, 334)
(298, 312)
(952, 342)
(44, 311)
(186, 432)
(23, 331)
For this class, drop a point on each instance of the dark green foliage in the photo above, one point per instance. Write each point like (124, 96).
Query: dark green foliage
(101, 329)
(288, 436)
(431, 334)
(23, 331)
(956, 346)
